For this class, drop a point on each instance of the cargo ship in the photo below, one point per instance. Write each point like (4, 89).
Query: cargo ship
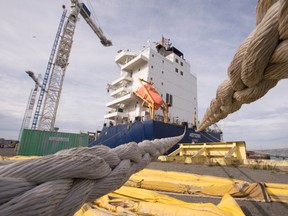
(154, 97)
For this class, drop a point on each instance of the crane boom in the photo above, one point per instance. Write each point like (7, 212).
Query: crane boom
(36, 80)
(49, 111)
(98, 31)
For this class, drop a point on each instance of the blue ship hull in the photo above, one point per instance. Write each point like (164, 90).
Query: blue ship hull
(114, 136)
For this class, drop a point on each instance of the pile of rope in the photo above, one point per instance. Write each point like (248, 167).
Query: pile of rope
(61, 183)
(259, 63)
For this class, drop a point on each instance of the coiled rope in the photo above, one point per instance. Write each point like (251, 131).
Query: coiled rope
(259, 63)
(61, 183)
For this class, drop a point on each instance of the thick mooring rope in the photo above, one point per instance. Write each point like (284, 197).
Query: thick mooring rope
(61, 183)
(259, 63)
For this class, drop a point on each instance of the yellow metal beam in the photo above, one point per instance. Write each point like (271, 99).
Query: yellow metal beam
(216, 152)
(200, 152)
(231, 151)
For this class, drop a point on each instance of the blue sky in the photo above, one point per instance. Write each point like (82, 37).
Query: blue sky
(208, 32)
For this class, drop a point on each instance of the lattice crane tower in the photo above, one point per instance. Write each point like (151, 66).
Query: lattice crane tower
(52, 98)
(31, 102)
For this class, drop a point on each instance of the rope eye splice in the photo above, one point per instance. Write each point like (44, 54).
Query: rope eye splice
(61, 183)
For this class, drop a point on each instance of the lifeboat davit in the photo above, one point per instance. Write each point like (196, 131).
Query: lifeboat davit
(149, 94)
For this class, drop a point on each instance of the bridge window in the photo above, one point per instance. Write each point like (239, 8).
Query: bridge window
(169, 98)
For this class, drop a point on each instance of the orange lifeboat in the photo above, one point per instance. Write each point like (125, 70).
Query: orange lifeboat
(150, 95)
(152, 99)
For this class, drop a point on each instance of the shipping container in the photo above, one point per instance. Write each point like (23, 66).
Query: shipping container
(39, 143)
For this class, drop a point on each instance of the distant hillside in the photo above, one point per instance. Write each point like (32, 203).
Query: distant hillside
(279, 152)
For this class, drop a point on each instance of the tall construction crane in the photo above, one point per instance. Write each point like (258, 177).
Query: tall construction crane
(31, 102)
(48, 69)
(56, 79)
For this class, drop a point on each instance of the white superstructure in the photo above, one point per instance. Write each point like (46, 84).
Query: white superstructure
(170, 73)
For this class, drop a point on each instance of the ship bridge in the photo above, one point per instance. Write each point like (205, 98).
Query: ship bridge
(130, 60)
(124, 56)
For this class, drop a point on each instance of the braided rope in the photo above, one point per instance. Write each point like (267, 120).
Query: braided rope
(61, 183)
(259, 63)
